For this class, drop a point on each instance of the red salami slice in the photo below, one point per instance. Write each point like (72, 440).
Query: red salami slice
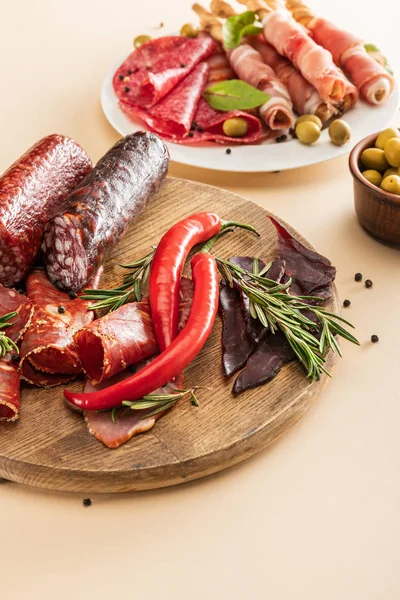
(117, 340)
(12, 301)
(32, 190)
(154, 69)
(48, 353)
(9, 389)
(174, 114)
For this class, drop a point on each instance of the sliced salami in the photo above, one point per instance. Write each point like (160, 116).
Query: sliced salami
(48, 353)
(13, 301)
(32, 190)
(9, 389)
(99, 210)
(154, 69)
(117, 340)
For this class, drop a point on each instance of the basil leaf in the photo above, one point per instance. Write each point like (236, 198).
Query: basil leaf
(238, 26)
(234, 94)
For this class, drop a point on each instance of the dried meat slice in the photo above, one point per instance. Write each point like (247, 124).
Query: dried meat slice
(236, 343)
(9, 389)
(48, 353)
(311, 273)
(119, 339)
(13, 301)
(155, 68)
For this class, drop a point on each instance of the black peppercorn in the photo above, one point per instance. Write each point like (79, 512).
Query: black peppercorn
(72, 295)
(61, 309)
(374, 339)
(129, 72)
(127, 89)
(87, 502)
(121, 77)
(346, 303)
(183, 65)
(358, 277)
(15, 358)
(190, 134)
(21, 291)
(368, 283)
(228, 151)
(199, 128)
(281, 138)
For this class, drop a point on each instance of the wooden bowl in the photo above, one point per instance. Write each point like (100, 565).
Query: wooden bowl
(378, 211)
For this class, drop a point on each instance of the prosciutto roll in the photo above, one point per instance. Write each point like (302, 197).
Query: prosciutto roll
(372, 80)
(249, 66)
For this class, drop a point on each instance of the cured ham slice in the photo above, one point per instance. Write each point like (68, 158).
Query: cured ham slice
(12, 301)
(155, 68)
(372, 80)
(219, 68)
(48, 353)
(315, 63)
(117, 340)
(249, 65)
(305, 98)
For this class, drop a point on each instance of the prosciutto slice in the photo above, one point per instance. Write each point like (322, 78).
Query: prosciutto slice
(117, 340)
(371, 79)
(155, 68)
(305, 98)
(48, 352)
(12, 301)
(249, 65)
(315, 63)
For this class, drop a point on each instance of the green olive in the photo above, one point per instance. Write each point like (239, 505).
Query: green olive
(235, 127)
(308, 132)
(391, 184)
(339, 132)
(374, 158)
(141, 39)
(373, 177)
(189, 30)
(392, 171)
(312, 118)
(385, 135)
(392, 152)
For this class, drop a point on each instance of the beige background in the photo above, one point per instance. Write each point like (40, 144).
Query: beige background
(314, 517)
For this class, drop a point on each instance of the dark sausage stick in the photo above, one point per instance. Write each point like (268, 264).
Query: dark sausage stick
(99, 210)
(32, 190)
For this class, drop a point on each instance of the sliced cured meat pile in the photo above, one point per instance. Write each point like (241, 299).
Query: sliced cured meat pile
(98, 212)
(155, 68)
(178, 112)
(372, 80)
(246, 343)
(249, 65)
(48, 353)
(12, 301)
(119, 339)
(32, 190)
(132, 422)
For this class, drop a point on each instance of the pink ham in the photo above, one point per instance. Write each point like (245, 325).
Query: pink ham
(154, 69)
(371, 79)
(305, 98)
(219, 69)
(315, 63)
(248, 64)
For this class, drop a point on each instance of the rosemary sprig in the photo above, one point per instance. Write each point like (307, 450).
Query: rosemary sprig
(6, 344)
(161, 402)
(130, 290)
(271, 304)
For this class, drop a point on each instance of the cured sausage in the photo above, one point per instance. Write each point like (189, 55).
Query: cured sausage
(48, 353)
(12, 301)
(99, 210)
(32, 190)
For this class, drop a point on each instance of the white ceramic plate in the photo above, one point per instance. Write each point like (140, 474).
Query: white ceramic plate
(268, 156)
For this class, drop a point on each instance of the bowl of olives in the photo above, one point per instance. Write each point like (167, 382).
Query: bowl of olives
(375, 166)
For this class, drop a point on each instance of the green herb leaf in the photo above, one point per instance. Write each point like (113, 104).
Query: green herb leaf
(371, 48)
(234, 94)
(239, 26)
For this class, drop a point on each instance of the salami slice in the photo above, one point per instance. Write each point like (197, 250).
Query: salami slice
(9, 389)
(32, 190)
(99, 210)
(13, 301)
(48, 353)
(155, 68)
(117, 340)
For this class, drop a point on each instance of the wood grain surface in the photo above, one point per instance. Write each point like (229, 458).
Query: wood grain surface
(50, 446)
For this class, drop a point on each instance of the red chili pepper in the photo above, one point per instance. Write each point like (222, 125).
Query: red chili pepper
(182, 350)
(167, 266)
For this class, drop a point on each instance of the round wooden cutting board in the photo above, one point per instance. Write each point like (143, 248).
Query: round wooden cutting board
(50, 446)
